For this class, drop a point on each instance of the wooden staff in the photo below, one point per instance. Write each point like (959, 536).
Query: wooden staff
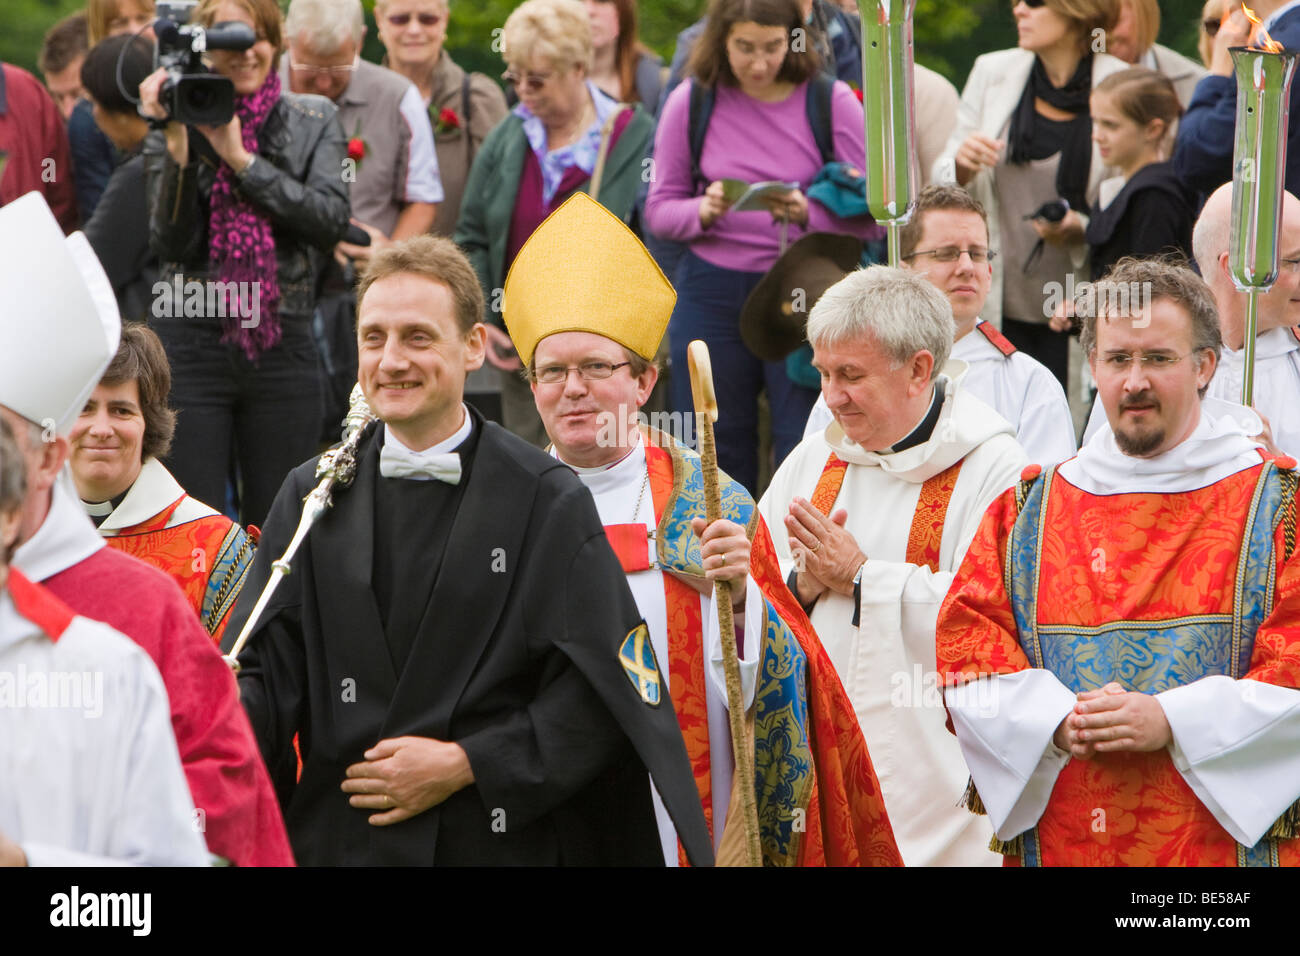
(706, 413)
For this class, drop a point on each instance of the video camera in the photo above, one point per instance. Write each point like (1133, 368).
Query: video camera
(192, 93)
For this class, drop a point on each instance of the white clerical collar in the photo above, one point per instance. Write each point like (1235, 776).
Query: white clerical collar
(98, 509)
(447, 444)
(65, 538)
(152, 491)
(604, 478)
(1218, 447)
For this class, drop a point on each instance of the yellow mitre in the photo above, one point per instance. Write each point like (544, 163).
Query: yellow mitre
(583, 270)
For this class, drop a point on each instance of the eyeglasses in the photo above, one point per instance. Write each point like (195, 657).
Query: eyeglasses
(587, 371)
(325, 70)
(978, 255)
(1031, 4)
(426, 20)
(1211, 26)
(532, 82)
(1121, 362)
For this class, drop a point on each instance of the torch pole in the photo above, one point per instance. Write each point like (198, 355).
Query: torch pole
(888, 114)
(1258, 178)
(1248, 352)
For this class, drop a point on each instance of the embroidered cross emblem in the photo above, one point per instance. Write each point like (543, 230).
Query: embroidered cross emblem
(637, 656)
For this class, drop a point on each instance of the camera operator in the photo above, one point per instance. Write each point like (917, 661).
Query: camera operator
(250, 209)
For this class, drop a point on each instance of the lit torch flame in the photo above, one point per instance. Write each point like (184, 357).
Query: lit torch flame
(1259, 38)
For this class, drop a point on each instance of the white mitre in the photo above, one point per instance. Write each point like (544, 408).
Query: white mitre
(59, 324)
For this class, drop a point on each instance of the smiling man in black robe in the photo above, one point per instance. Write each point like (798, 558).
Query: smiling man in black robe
(456, 648)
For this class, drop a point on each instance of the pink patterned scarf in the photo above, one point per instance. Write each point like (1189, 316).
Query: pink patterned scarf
(242, 250)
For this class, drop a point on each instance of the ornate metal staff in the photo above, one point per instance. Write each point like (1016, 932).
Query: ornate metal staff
(335, 470)
(889, 113)
(1258, 178)
(706, 413)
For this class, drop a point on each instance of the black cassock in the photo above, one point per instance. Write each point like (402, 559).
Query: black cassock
(497, 624)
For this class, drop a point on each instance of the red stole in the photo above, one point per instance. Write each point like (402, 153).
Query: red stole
(685, 633)
(927, 521)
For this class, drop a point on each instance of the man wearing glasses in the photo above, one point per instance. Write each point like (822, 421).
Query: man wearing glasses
(395, 186)
(1272, 418)
(1131, 615)
(589, 334)
(870, 519)
(947, 241)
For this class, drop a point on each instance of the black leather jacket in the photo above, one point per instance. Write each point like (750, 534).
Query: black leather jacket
(298, 180)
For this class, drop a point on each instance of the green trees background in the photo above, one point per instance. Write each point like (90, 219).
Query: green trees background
(949, 33)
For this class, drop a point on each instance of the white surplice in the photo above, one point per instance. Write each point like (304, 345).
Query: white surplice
(1235, 742)
(1020, 388)
(89, 762)
(887, 663)
(622, 496)
(1277, 384)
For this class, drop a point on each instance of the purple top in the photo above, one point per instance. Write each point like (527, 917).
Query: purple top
(753, 141)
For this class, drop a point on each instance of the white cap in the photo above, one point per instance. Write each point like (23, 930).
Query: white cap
(59, 324)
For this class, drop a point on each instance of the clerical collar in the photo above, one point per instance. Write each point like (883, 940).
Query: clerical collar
(602, 479)
(922, 432)
(600, 469)
(100, 510)
(447, 444)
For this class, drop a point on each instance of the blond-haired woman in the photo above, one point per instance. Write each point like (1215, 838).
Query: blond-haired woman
(1023, 140)
(1133, 40)
(546, 149)
(463, 107)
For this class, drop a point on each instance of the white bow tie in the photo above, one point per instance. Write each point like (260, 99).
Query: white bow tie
(396, 461)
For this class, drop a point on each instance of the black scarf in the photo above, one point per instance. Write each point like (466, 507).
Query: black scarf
(1076, 151)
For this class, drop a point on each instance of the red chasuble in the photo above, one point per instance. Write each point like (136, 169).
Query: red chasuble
(232, 792)
(1144, 589)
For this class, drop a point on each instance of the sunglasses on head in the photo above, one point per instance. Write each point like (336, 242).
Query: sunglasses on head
(402, 19)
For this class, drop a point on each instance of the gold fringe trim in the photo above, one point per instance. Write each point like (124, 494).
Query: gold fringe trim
(1013, 847)
(1287, 826)
(970, 799)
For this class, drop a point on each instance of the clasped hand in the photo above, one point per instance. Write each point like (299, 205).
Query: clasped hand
(404, 776)
(1111, 720)
(827, 557)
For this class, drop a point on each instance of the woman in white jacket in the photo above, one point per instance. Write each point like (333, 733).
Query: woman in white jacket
(1023, 139)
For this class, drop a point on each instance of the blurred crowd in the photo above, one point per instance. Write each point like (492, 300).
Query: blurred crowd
(1085, 142)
